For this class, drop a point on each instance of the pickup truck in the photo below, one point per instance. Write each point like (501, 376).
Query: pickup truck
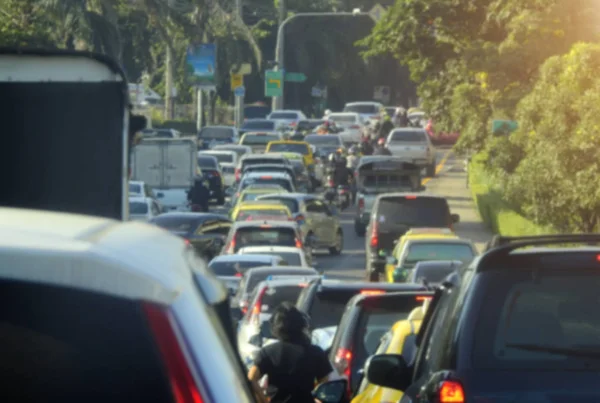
(413, 145)
(381, 174)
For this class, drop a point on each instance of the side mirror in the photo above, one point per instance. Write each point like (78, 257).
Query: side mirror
(389, 371)
(256, 340)
(332, 391)
(455, 218)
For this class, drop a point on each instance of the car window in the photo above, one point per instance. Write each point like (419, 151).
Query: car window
(259, 139)
(549, 310)
(419, 211)
(233, 268)
(284, 115)
(289, 147)
(432, 274)
(323, 140)
(135, 188)
(384, 344)
(408, 136)
(264, 235)
(362, 108)
(290, 258)
(59, 343)
(285, 183)
(138, 208)
(256, 278)
(222, 158)
(256, 112)
(419, 252)
(258, 125)
(328, 307)
(343, 118)
(216, 133)
(274, 296)
(248, 215)
(291, 204)
(262, 161)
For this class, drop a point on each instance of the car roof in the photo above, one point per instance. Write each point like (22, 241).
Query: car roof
(274, 248)
(280, 224)
(262, 156)
(297, 196)
(287, 111)
(410, 194)
(408, 129)
(219, 126)
(230, 146)
(363, 103)
(263, 188)
(210, 152)
(329, 284)
(190, 215)
(275, 269)
(245, 257)
(284, 175)
(344, 113)
(124, 259)
(441, 239)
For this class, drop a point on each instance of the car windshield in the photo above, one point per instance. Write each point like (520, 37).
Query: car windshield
(361, 108)
(256, 278)
(222, 158)
(259, 125)
(328, 307)
(539, 320)
(259, 139)
(175, 224)
(135, 188)
(249, 215)
(256, 112)
(408, 136)
(233, 268)
(323, 140)
(342, 118)
(207, 163)
(289, 147)
(420, 211)
(421, 252)
(216, 133)
(138, 208)
(284, 115)
(264, 235)
(284, 183)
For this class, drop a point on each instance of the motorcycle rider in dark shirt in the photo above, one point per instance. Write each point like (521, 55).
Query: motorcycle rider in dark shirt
(199, 196)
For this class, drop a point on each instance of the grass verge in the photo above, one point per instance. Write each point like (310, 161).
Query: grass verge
(495, 212)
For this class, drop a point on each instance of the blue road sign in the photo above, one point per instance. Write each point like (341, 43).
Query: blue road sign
(202, 58)
(240, 91)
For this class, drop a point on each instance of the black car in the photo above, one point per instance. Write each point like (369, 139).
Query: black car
(256, 111)
(409, 210)
(519, 324)
(367, 318)
(211, 136)
(206, 232)
(211, 172)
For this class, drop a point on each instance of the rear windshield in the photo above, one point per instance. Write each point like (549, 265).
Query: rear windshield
(539, 320)
(362, 108)
(138, 208)
(323, 140)
(432, 274)
(275, 296)
(233, 268)
(261, 161)
(222, 158)
(342, 118)
(259, 125)
(228, 170)
(247, 215)
(284, 115)
(291, 258)
(207, 162)
(291, 204)
(307, 125)
(328, 307)
(414, 136)
(61, 344)
(258, 236)
(135, 188)
(256, 278)
(256, 112)
(176, 224)
(252, 196)
(438, 251)
(259, 139)
(284, 183)
(217, 133)
(417, 212)
(289, 147)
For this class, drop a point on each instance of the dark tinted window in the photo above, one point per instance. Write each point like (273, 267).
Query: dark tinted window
(134, 188)
(257, 236)
(414, 136)
(233, 268)
(289, 147)
(284, 183)
(362, 108)
(218, 133)
(283, 115)
(419, 252)
(275, 296)
(256, 112)
(176, 224)
(328, 307)
(223, 158)
(259, 139)
(207, 162)
(138, 208)
(433, 274)
(307, 125)
(61, 344)
(416, 212)
(525, 310)
(258, 125)
(256, 278)
(262, 161)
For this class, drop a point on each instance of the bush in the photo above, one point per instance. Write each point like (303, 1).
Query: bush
(494, 210)
(184, 126)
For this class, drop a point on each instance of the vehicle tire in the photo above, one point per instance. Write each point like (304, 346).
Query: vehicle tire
(339, 243)
(431, 170)
(360, 231)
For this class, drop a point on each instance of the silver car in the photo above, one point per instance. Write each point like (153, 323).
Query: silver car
(413, 145)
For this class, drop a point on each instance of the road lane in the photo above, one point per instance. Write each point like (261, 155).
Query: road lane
(450, 182)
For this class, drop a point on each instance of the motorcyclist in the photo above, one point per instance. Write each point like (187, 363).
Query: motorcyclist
(338, 169)
(326, 113)
(366, 146)
(385, 128)
(353, 157)
(402, 118)
(199, 195)
(325, 128)
(381, 149)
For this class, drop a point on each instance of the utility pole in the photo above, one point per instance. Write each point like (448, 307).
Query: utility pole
(169, 78)
(282, 12)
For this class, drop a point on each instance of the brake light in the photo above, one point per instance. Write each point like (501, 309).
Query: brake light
(372, 292)
(330, 182)
(343, 363)
(374, 236)
(187, 242)
(238, 172)
(298, 243)
(257, 306)
(598, 258)
(361, 203)
(451, 392)
(411, 197)
(423, 298)
(173, 353)
(266, 177)
(238, 274)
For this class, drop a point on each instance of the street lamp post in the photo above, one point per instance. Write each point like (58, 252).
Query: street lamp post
(280, 44)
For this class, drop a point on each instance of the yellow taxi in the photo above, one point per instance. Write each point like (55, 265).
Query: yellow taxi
(289, 146)
(253, 191)
(399, 340)
(261, 210)
(414, 233)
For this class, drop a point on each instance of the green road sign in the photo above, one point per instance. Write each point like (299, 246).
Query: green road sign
(273, 83)
(504, 127)
(295, 77)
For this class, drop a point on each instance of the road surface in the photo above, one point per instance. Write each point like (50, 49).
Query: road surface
(450, 182)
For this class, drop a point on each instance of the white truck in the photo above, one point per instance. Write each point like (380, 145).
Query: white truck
(169, 167)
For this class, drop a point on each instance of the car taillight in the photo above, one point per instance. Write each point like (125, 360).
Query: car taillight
(173, 351)
(330, 182)
(372, 292)
(255, 314)
(187, 242)
(451, 392)
(343, 363)
(423, 298)
(361, 203)
(374, 237)
(237, 174)
(238, 274)
(299, 243)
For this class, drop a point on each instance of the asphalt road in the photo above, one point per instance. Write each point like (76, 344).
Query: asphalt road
(449, 182)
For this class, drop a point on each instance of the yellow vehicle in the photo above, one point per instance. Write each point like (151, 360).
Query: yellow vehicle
(253, 191)
(261, 210)
(415, 233)
(300, 147)
(399, 340)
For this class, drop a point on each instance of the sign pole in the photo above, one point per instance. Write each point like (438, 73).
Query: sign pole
(199, 108)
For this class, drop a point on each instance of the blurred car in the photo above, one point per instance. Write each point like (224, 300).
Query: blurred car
(258, 140)
(125, 310)
(238, 149)
(230, 268)
(325, 144)
(305, 127)
(369, 111)
(433, 272)
(259, 125)
(211, 172)
(160, 133)
(211, 136)
(257, 110)
(140, 189)
(291, 255)
(204, 231)
(265, 178)
(265, 233)
(259, 159)
(260, 210)
(143, 208)
(227, 160)
(353, 125)
(289, 117)
(252, 192)
(299, 147)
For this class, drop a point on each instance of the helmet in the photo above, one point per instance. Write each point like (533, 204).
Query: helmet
(353, 150)
(381, 142)
(327, 112)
